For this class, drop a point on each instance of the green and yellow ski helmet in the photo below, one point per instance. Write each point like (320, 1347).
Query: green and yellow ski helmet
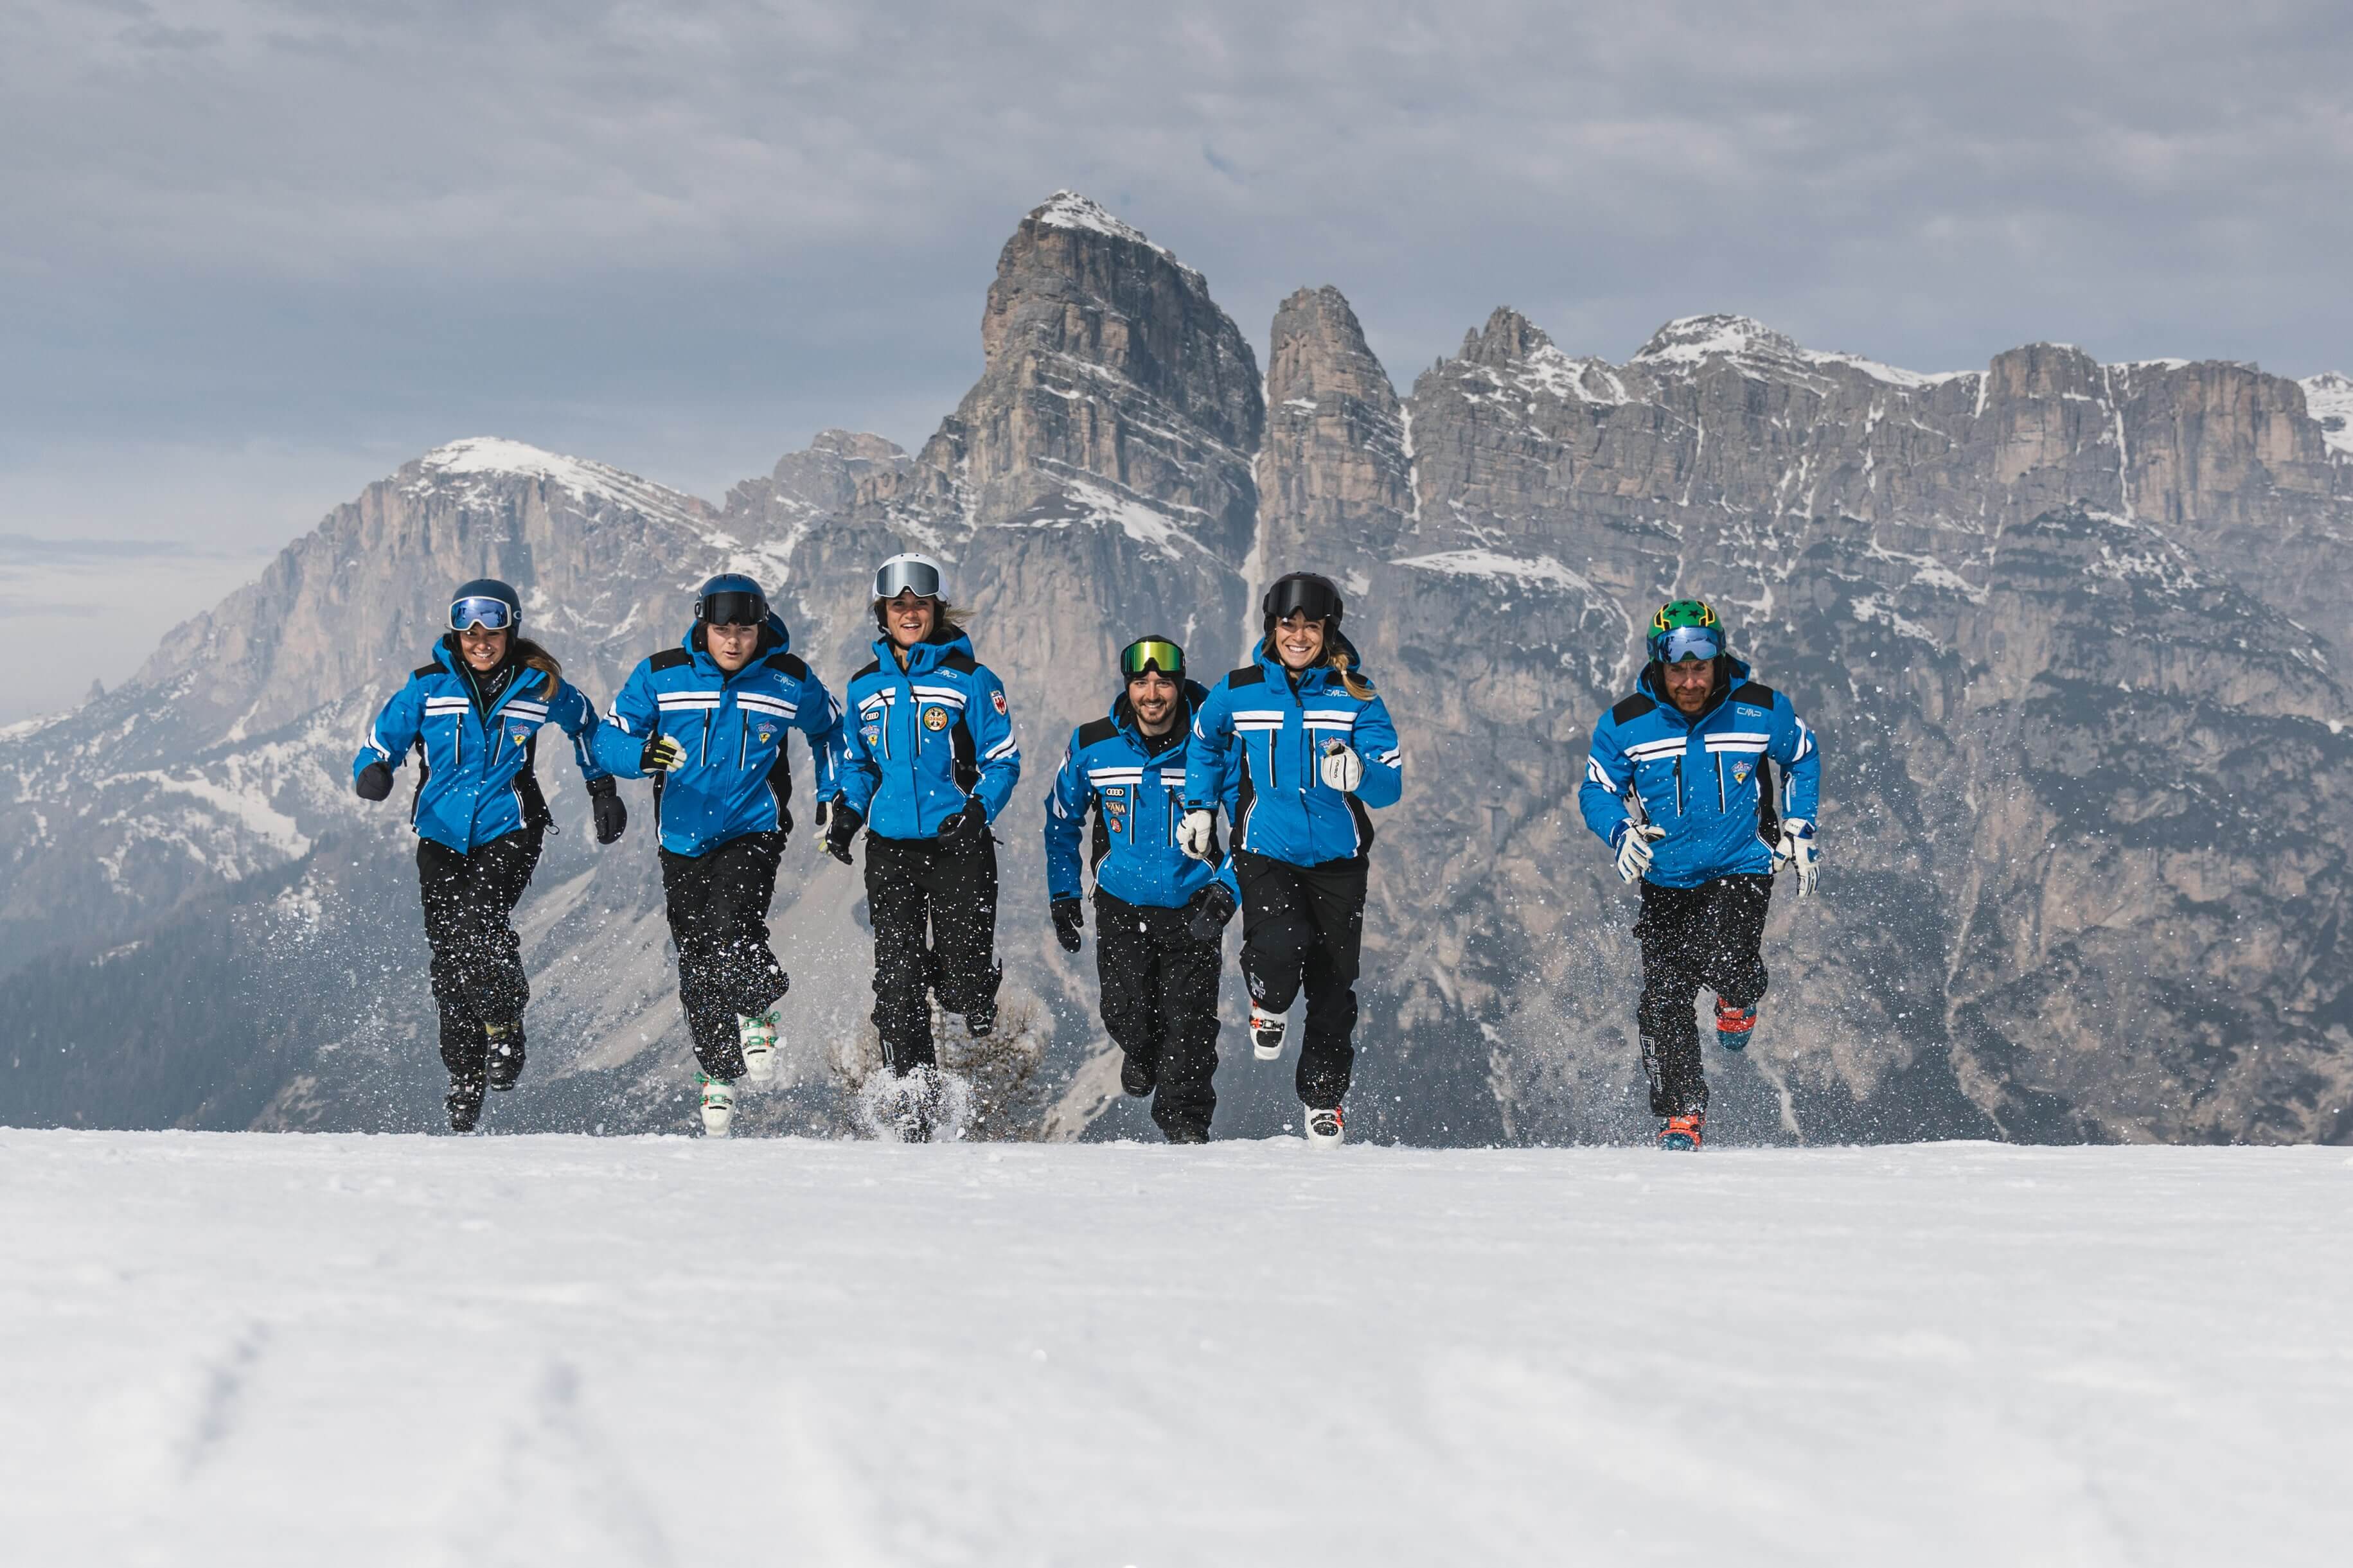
(1686, 629)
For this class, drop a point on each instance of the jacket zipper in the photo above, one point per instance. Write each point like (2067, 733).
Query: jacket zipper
(743, 739)
(1722, 806)
(1679, 787)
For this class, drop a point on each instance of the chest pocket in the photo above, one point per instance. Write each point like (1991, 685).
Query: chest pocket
(762, 716)
(1659, 780)
(443, 733)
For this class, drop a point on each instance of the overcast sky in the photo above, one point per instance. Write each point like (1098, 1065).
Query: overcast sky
(255, 253)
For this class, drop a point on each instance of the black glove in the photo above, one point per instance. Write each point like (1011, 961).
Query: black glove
(605, 803)
(973, 819)
(1070, 920)
(1213, 905)
(375, 782)
(841, 827)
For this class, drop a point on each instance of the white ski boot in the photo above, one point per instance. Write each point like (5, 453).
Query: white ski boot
(759, 1038)
(1266, 1034)
(1325, 1129)
(718, 1104)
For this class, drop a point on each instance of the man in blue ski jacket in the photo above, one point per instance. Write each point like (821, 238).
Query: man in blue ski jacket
(707, 720)
(1679, 784)
(1158, 948)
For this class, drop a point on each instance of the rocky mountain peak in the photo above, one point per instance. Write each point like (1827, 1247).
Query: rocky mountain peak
(1334, 478)
(474, 469)
(1506, 338)
(1688, 340)
(1115, 392)
(1082, 214)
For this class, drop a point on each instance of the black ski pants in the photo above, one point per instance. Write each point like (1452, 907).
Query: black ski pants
(934, 906)
(477, 969)
(1160, 1004)
(1693, 937)
(1303, 926)
(718, 903)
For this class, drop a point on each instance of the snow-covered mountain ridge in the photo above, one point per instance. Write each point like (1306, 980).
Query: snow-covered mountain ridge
(2068, 630)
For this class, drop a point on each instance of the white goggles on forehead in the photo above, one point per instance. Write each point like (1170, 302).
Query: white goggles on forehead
(917, 575)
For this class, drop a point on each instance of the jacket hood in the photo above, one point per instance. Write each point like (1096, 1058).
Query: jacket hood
(1122, 713)
(775, 638)
(926, 656)
(1729, 673)
(1334, 641)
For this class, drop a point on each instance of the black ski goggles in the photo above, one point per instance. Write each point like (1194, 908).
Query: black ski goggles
(907, 574)
(1311, 597)
(1147, 655)
(732, 608)
(491, 614)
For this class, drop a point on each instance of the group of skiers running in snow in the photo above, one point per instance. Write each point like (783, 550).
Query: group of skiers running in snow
(1292, 749)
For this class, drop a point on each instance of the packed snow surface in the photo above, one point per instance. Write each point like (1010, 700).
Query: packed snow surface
(247, 1349)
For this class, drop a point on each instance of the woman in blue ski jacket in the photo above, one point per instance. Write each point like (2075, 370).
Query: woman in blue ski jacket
(929, 760)
(707, 720)
(1315, 749)
(472, 716)
(1158, 952)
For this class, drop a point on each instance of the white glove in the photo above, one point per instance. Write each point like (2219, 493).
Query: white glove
(1796, 848)
(1197, 833)
(1634, 841)
(1341, 767)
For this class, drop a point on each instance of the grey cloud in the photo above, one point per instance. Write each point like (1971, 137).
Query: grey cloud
(684, 236)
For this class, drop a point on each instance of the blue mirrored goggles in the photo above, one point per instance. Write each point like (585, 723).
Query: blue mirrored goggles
(491, 614)
(1688, 643)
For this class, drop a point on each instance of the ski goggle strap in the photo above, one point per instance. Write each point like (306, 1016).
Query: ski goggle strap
(732, 607)
(917, 575)
(1146, 655)
(1690, 643)
(491, 614)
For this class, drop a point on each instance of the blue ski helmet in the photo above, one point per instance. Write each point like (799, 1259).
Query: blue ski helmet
(485, 602)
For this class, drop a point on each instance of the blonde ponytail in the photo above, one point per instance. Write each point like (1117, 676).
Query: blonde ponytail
(1355, 686)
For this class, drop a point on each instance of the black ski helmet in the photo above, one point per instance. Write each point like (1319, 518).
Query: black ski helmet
(1318, 596)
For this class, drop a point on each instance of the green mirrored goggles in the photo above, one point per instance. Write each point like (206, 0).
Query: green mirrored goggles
(1145, 655)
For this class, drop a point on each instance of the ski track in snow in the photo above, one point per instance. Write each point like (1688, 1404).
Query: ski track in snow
(251, 1350)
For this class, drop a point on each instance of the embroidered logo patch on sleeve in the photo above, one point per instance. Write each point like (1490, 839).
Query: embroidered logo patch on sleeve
(997, 698)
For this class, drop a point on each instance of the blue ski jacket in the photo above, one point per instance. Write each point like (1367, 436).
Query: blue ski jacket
(1270, 728)
(736, 778)
(1701, 778)
(1138, 797)
(475, 780)
(924, 739)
